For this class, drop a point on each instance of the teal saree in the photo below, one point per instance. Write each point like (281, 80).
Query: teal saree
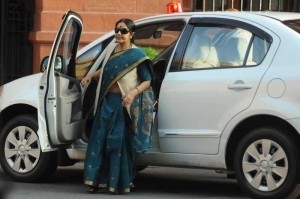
(117, 135)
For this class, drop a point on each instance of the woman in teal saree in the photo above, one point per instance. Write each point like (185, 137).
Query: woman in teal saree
(123, 118)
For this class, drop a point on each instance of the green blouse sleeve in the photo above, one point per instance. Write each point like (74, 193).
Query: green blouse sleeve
(144, 72)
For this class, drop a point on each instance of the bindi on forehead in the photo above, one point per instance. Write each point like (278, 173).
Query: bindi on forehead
(121, 25)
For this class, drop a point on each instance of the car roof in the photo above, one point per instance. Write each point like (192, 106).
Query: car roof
(263, 17)
(280, 16)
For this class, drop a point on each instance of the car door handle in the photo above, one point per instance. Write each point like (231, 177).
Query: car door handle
(239, 86)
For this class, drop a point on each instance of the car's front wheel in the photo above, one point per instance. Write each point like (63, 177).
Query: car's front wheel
(20, 151)
(266, 163)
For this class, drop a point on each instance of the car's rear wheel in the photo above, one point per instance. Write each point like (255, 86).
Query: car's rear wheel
(266, 164)
(20, 151)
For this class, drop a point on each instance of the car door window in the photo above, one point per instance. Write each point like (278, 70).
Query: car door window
(155, 38)
(200, 51)
(233, 46)
(258, 50)
(158, 41)
(67, 50)
(87, 59)
(217, 45)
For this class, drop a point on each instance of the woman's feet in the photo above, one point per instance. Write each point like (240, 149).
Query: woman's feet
(131, 188)
(92, 189)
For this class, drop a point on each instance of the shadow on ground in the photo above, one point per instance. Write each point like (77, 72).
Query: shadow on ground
(158, 180)
(6, 185)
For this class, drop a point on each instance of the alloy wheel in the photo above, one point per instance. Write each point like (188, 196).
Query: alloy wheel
(22, 149)
(265, 165)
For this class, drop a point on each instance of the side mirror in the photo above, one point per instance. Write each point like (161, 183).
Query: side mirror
(58, 64)
(44, 64)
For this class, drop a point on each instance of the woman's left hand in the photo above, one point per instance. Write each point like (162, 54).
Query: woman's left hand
(128, 99)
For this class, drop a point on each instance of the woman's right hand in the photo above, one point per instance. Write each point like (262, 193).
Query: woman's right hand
(85, 82)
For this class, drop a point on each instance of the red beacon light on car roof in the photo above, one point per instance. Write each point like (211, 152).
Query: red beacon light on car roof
(174, 7)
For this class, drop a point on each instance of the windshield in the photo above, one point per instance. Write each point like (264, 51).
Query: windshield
(293, 24)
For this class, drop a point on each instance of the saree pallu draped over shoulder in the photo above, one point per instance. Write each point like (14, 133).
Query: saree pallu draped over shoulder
(117, 135)
(141, 110)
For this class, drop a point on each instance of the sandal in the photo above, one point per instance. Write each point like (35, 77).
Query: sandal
(92, 189)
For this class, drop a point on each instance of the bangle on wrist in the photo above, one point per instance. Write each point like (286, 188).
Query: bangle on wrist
(137, 90)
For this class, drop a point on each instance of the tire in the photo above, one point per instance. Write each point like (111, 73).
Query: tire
(268, 174)
(231, 176)
(20, 152)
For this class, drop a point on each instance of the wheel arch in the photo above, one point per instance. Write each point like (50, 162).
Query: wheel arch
(21, 109)
(14, 110)
(255, 122)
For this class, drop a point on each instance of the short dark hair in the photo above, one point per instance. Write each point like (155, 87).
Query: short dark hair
(129, 23)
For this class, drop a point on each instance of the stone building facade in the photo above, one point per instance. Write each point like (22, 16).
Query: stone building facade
(28, 27)
(99, 17)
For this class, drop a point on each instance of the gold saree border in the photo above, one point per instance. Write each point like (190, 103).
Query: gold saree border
(113, 190)
(91, 183)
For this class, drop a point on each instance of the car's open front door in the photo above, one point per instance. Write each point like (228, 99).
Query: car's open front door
(60, 95)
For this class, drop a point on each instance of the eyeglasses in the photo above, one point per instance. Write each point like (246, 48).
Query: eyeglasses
(122, 30)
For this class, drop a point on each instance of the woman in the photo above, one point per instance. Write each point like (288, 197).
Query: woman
(123, 118)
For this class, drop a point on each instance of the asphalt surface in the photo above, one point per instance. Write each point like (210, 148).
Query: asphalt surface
(153, 182)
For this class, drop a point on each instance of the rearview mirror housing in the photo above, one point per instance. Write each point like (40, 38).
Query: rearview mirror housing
(44, 64)
(58, 64)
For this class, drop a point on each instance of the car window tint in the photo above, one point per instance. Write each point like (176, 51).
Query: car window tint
(214, 45)
(200, 51)
(233, 47)
(154, 38)
(258, 50)
(66, 49)
(87, 59)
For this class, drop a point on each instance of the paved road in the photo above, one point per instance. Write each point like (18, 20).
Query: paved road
(154, 182)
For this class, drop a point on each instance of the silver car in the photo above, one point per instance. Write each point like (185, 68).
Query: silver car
(228, 98)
